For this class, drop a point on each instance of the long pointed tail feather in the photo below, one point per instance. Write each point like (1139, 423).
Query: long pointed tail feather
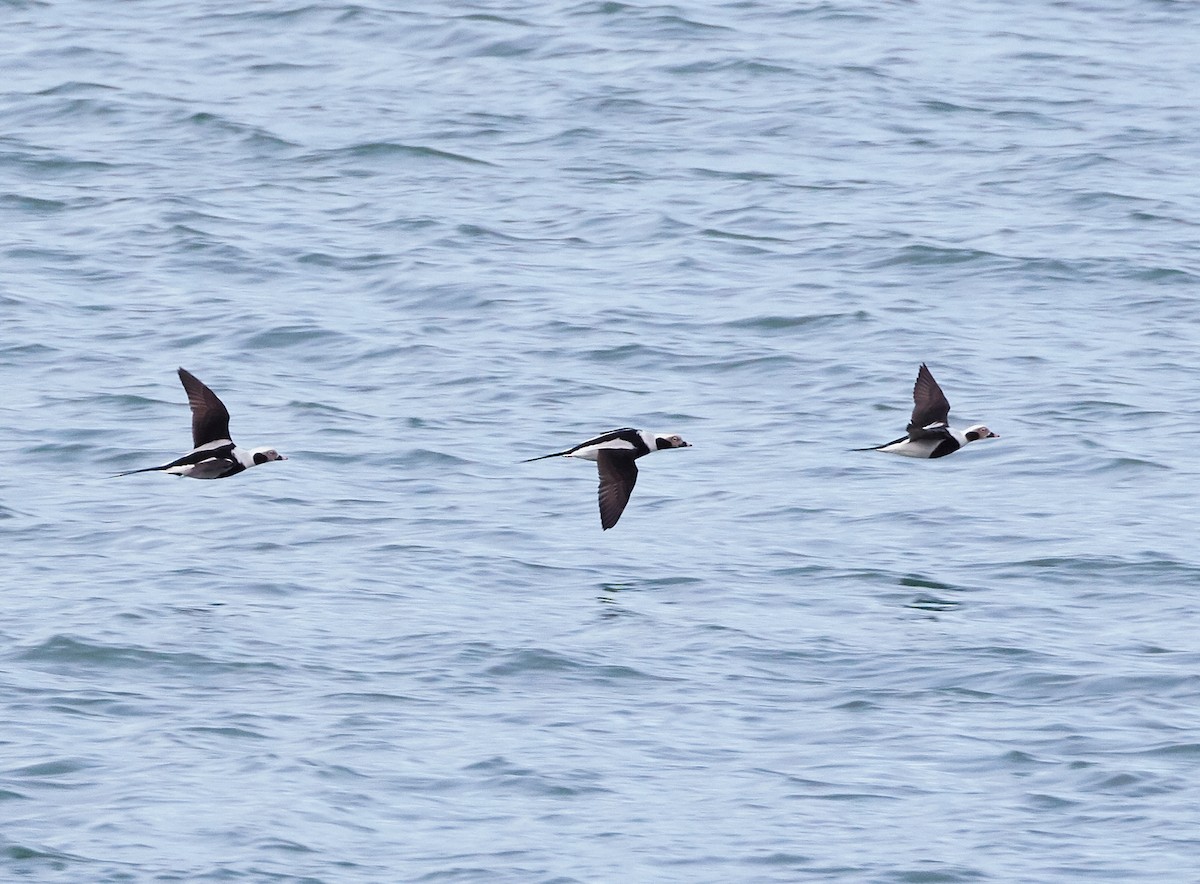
(142, 470)
(544, 456)
(883, 446)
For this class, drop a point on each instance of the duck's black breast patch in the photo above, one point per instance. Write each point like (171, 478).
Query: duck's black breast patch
(946, 446)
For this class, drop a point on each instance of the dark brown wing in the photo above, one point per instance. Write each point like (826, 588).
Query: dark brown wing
(618, 475)
(210, 418)
(930, 405)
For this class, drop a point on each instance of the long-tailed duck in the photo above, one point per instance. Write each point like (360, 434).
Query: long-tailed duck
(614, 453)
(929, 432)
(214, 455)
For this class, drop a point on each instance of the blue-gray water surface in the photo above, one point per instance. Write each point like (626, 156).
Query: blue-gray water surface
(411, 245)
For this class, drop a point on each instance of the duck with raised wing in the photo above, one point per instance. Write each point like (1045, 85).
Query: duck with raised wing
(929, 432)
(214, 455)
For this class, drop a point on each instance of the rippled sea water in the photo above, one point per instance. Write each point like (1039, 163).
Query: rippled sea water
(411, 247)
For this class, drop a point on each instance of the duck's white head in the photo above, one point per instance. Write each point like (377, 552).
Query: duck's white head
(663, 440)
(979, 431)
(265, 455)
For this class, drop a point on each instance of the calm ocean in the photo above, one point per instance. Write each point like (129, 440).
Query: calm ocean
(411, 245)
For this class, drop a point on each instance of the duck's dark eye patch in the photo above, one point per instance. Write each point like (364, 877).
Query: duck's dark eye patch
(260, 458)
